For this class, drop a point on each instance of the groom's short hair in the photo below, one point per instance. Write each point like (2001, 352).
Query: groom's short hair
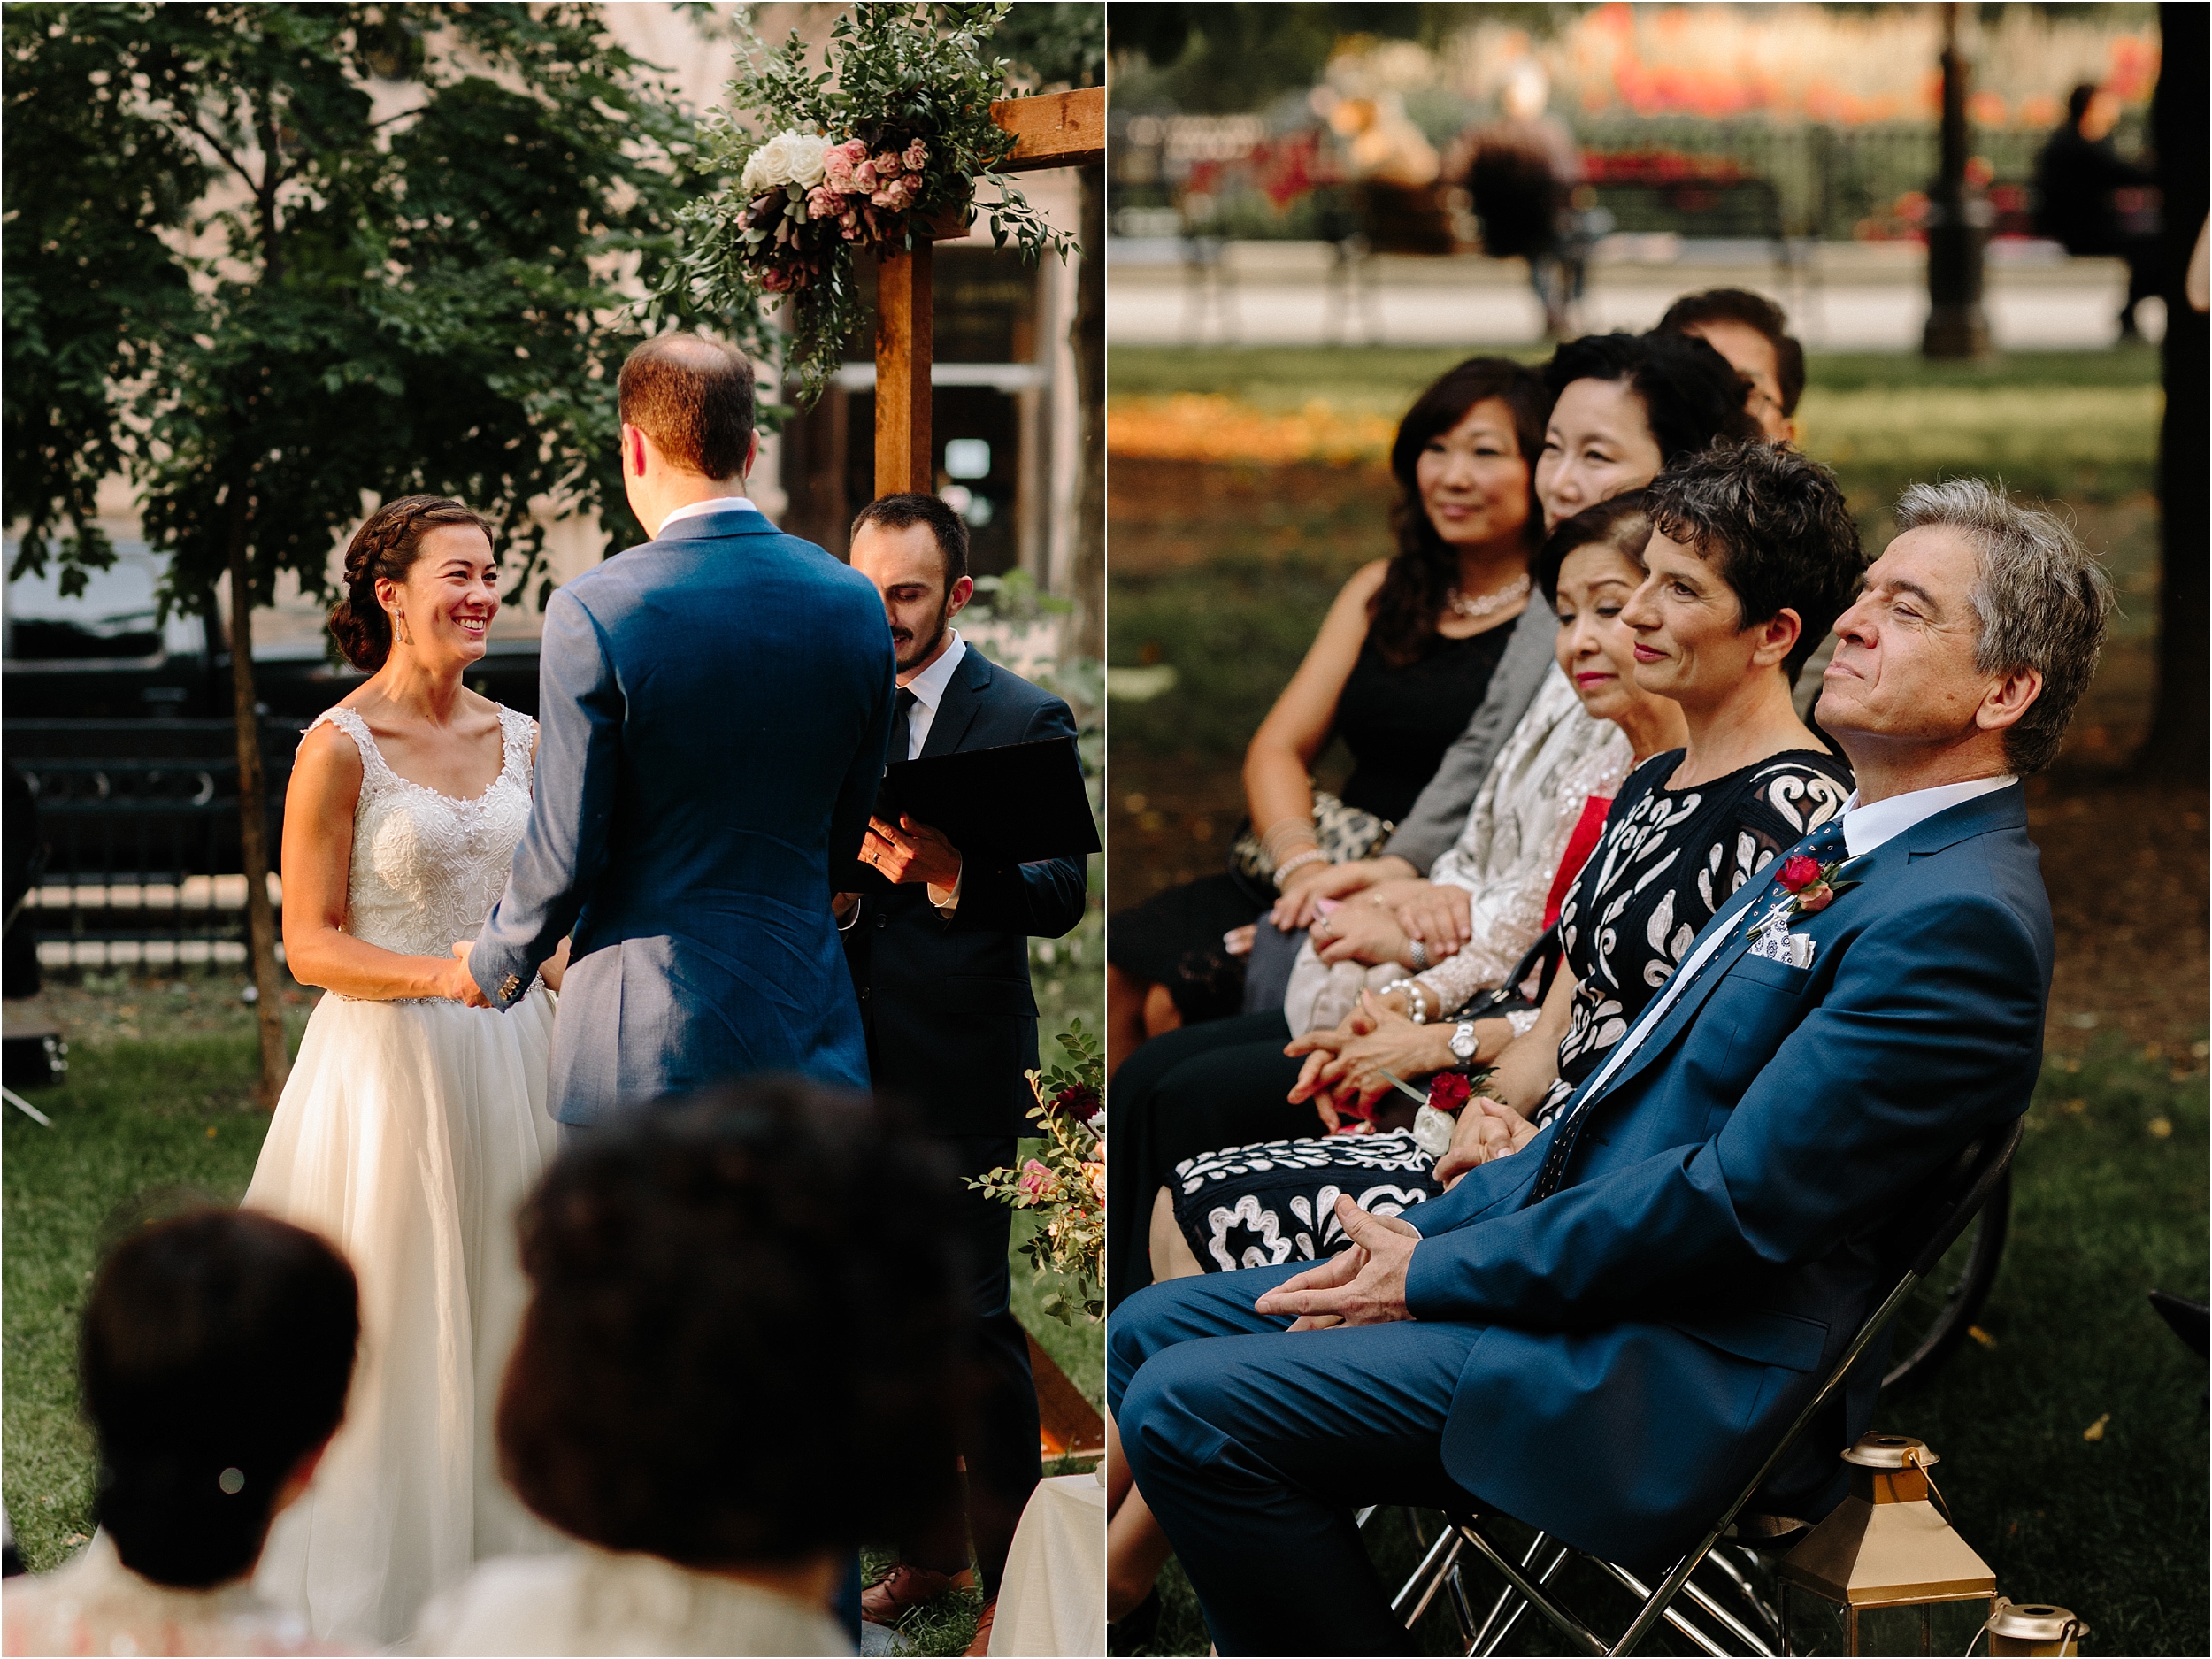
(693, 397)
(913, 507)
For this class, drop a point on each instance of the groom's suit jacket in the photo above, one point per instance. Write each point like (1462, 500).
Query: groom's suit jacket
(1654, 1324)
(713, 711)
(951, 1020)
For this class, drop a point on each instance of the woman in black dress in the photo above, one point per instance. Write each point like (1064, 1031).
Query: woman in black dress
(1398, 667)
(1624, 405)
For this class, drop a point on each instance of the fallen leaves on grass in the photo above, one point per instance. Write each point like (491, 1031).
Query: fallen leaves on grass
(2095, 1431)
(1207, 426)
(2160, 1127)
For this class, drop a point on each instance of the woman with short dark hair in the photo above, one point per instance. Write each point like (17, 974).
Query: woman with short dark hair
(213, 1361)
(739, 1360)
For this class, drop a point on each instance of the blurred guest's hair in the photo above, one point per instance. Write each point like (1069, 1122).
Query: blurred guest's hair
(1774, 526)
(743, 1337)
(1690, 394)
(1401, 616)
(2041, 601)
(909, 507)
(1622, 523)
(214, 1355)
(2077, 103)
(1753, 312)
(693, 397)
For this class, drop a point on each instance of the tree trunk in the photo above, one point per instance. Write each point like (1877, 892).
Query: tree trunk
(2179, 732)
(253, 816)
(1088, 638)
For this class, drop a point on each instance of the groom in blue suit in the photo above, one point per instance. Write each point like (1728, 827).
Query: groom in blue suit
(1600, 1333)
(714, 710)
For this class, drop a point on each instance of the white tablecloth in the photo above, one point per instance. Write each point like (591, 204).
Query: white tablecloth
(1052, 1601)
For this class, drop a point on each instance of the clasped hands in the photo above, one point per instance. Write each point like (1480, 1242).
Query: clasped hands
(455, 982)
(1393, 911)
(1348, 1068)
(1365, 1284)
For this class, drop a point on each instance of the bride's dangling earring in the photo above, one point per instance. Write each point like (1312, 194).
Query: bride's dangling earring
(400, 618)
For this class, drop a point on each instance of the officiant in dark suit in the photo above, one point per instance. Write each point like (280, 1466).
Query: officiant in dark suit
(941, 967)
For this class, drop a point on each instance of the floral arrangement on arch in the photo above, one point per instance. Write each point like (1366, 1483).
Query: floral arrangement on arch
(892, 135)
(1065, 1186)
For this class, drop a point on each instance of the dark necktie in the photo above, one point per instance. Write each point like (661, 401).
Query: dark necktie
(901, 727)
(1824, 845)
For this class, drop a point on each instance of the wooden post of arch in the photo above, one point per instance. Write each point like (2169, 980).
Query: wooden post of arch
(1060, 129)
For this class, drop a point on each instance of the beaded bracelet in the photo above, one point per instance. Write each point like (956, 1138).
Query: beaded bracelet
(1311, 855)
(1416, 999)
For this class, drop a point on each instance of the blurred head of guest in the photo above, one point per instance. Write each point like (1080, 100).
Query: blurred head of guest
(2092, 111)
(1626, 405)
(1749, 330)
(213, 1361)
(740, 1357)
(1466, 516)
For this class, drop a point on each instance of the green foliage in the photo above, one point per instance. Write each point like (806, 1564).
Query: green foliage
(1054, 45)
(895, 73)
(1064, 1185)
(235, 281)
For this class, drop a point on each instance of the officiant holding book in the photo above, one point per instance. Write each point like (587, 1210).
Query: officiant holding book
(939, 948)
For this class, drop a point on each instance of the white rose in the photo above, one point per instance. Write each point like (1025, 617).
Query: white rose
(786, 158)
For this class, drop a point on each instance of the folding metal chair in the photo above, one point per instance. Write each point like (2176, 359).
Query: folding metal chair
(1925, 1228)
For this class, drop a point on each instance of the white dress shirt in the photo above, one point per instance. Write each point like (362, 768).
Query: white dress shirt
(1865, 828)
(928, 688)
(701, 508)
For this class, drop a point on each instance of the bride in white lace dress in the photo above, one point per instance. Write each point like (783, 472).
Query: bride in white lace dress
(413, 1126)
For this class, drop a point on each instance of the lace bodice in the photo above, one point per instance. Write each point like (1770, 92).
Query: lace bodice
(427, 868)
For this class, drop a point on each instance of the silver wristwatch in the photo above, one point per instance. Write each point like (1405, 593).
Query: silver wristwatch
(1463, 1040)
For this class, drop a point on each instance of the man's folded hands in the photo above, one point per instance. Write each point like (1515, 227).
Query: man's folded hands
(1366, 1284)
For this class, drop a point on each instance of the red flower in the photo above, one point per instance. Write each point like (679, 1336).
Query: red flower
(1799, 872)
(1448, 1091)
(1816, 898)
(1078, 1100)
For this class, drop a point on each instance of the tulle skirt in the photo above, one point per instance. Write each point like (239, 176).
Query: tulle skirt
(408, 1135)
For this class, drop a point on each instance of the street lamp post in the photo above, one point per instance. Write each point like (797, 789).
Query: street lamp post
(1958, 217)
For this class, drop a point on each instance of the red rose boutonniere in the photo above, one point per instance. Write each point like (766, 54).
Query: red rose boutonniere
(1448, 1091)
(1813, 886)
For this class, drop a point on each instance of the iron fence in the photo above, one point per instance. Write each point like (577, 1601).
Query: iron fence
(138, 857)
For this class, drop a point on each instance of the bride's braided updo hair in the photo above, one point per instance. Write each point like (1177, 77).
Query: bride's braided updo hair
(387, 546)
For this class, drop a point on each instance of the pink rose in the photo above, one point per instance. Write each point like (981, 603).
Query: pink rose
(894, 195)
(1097, 1174)
(1037, 1183)
(823, 203)
(1799, 872)
(887, 163)
(917, 153)
(837, 170)
(864, 176)
(853, 150)
(1816, 898)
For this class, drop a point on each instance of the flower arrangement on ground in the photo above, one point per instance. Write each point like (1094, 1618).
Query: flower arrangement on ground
(1065, 1186)
(892, 135)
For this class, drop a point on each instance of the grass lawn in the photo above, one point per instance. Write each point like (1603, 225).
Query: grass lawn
(159, 1108)
(2108, 1203)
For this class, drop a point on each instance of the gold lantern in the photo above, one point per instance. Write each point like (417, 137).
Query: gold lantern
(1885, 1560)
(2030, 1627)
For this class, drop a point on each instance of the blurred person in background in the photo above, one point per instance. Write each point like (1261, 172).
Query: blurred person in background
(742, 1356)
(2078, 180)
(212, 1365)
(1521, 172)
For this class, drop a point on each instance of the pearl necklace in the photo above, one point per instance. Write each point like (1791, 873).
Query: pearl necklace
(1484, 604)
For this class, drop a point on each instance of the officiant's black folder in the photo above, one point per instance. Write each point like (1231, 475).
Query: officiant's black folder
(1013, 804)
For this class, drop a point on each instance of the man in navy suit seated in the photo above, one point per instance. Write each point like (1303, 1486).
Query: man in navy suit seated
(941, 965)
(1603, 1326)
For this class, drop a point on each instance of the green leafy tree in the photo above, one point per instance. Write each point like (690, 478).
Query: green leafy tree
(272, 261)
